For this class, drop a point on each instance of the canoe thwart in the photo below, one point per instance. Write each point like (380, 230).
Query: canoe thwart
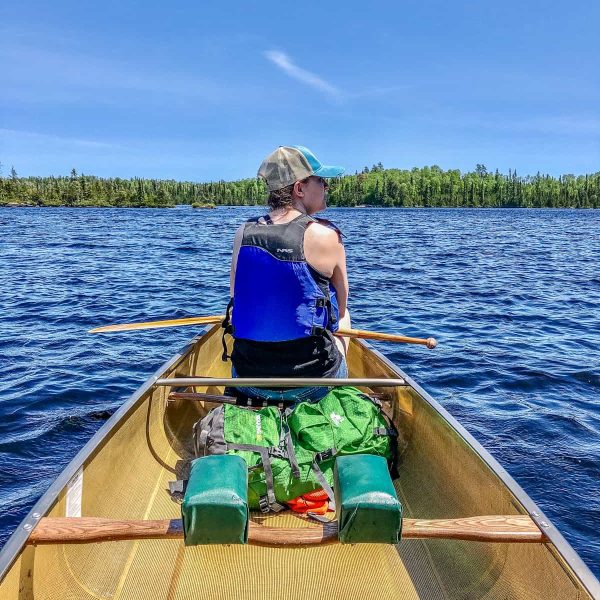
(490, 528)
(217, 399)
(82, 530)
(243, 401)
(279, 382)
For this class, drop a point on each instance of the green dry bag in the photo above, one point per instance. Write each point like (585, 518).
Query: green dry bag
(291, 452)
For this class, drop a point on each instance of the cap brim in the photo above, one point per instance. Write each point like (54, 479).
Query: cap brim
(326, 171)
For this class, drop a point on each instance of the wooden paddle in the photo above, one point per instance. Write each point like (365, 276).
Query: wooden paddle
(81, 530)
(159, 324)
(355, 333)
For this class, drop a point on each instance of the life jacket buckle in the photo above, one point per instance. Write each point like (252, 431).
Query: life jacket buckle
(325, 455)
(263, 503)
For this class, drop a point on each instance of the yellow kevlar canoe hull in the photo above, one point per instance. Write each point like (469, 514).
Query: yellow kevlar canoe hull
(124, 471)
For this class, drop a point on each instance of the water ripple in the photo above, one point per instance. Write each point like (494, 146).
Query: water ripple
(513, 297)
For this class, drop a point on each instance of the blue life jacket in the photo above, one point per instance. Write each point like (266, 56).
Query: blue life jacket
(278, 296)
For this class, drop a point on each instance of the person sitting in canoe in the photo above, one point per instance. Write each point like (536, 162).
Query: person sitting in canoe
(289, 287)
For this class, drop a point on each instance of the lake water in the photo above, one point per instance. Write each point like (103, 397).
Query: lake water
(513, 297)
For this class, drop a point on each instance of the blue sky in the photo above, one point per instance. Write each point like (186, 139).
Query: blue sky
(204, 90)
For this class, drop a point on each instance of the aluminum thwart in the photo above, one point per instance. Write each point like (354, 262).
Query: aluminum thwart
(289, 382)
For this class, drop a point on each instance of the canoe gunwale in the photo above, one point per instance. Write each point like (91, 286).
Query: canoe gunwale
(17, 541)
(562, 546)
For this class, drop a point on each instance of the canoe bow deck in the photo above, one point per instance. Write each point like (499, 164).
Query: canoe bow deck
(124, 471)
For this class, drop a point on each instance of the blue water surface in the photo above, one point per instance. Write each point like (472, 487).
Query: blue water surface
(513, 297)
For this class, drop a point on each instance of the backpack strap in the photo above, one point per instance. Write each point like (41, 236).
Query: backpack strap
(178, 487)
(385, 431)
(287, 442)
(209, 432)
(320, 457)
(391, 429)
(269, 502)
(320, 518)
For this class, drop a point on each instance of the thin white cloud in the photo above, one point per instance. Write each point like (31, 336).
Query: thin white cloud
(285, 63)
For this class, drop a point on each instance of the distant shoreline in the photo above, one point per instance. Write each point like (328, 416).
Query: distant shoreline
(191, 209)
(426, 187)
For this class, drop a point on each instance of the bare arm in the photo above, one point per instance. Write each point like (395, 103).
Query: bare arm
(325, 252)
(339, 280)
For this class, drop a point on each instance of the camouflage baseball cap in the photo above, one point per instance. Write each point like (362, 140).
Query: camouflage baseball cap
(289, 164)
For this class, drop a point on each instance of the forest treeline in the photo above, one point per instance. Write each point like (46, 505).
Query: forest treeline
(376, 186)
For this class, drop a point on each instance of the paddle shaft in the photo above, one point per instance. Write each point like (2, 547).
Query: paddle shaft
(355, 333)
(495, 528)
(386, 337)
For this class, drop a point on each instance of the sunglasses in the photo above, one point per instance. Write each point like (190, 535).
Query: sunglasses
(320, 180)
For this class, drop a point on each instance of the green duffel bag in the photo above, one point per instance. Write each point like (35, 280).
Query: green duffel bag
(344, 422)
(291, 452)
(260, 437)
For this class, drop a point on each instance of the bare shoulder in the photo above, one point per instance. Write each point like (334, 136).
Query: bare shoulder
(329, 224)
(323, 235)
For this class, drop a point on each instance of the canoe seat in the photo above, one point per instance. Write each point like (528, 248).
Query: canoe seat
(215, 505)
(368, 509)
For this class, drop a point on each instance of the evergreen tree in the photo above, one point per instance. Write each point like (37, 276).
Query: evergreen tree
(428, 186)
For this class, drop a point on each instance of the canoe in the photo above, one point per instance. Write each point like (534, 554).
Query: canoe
(108, 526)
